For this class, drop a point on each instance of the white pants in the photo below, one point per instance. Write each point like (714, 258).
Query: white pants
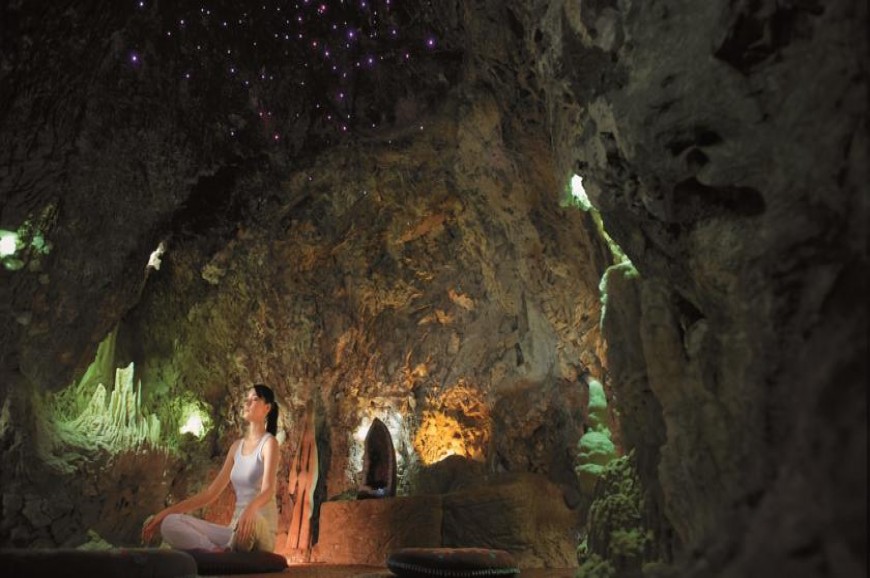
(187, 533)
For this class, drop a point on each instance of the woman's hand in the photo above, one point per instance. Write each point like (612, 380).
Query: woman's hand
(151, 525)
(246, 525)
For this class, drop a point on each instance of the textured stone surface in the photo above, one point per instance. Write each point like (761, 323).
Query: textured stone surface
(366, 531)
(374, 298)
(532, 421)
(726, 145)
(524, 514)
(643, 428)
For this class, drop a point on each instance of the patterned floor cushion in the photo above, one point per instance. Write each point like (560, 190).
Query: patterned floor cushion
(120, 562)
(451, 563)
(217, 563)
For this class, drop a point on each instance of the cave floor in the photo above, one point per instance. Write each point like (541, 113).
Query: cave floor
(328, 571)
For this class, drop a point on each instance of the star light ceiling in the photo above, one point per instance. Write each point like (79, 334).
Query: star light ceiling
(298, 63)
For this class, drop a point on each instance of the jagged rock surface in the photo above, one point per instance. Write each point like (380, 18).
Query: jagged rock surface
(726, 146)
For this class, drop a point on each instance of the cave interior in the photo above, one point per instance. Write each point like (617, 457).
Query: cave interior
(592, 274)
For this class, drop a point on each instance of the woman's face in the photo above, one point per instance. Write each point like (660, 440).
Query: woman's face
(254, 408)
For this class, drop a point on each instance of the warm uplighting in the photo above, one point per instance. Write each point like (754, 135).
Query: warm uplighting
(360, 433)
(391, 419)
(457, 424)
(439, 437)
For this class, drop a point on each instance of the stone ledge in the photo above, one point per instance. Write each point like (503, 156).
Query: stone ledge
(524, 514)
(366, 531)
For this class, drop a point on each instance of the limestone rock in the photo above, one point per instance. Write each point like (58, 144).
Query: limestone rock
(451, 474)
(523, 514)
(366, 531)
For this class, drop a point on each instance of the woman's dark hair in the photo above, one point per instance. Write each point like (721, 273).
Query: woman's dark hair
(266, 394)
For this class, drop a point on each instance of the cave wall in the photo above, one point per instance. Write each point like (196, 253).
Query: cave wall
(725, 144)
(431, 278)
(434, 282)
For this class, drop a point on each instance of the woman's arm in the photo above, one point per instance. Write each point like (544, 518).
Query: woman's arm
(267, 489)
(195, 502)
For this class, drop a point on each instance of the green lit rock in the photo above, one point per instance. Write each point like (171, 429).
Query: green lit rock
(596, 451)
(12, 263)
(618, 538)
(595, 448)
(112, 421)
(95, 543)
(597, 416)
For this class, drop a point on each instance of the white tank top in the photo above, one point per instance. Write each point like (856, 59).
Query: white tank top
(247, 479)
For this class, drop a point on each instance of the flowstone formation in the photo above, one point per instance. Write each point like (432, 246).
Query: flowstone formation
(113, 425)
(595, 448)
(618, 542)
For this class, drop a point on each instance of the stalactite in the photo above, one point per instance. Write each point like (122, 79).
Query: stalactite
(117, 425)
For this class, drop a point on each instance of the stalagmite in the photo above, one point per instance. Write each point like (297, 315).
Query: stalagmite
(303, 479)
(117, 426)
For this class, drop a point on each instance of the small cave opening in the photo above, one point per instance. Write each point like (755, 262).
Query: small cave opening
(211, 208)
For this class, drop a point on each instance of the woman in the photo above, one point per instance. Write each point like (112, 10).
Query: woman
(251, 465)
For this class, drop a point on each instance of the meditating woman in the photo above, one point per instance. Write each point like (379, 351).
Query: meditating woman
(251, 465)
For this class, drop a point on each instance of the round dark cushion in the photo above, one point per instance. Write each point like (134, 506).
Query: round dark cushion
(451, 562)
(120, 562)
(217, 563)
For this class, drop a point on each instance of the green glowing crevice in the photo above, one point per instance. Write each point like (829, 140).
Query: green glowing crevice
(625, 269)
(27, 244)
(104, 411)
(619, 256)
(618, 542)
(9, 243)
(576, 197)
(194, 420)
(595, 448)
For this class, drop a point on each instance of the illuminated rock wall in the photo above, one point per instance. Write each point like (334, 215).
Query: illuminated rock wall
(113, 425)
(394, 280)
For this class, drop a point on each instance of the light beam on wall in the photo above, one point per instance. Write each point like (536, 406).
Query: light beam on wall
(396, 426)
(579, 193)
(154, 260)
(458, 423)
(194, 425)
(8, 243)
